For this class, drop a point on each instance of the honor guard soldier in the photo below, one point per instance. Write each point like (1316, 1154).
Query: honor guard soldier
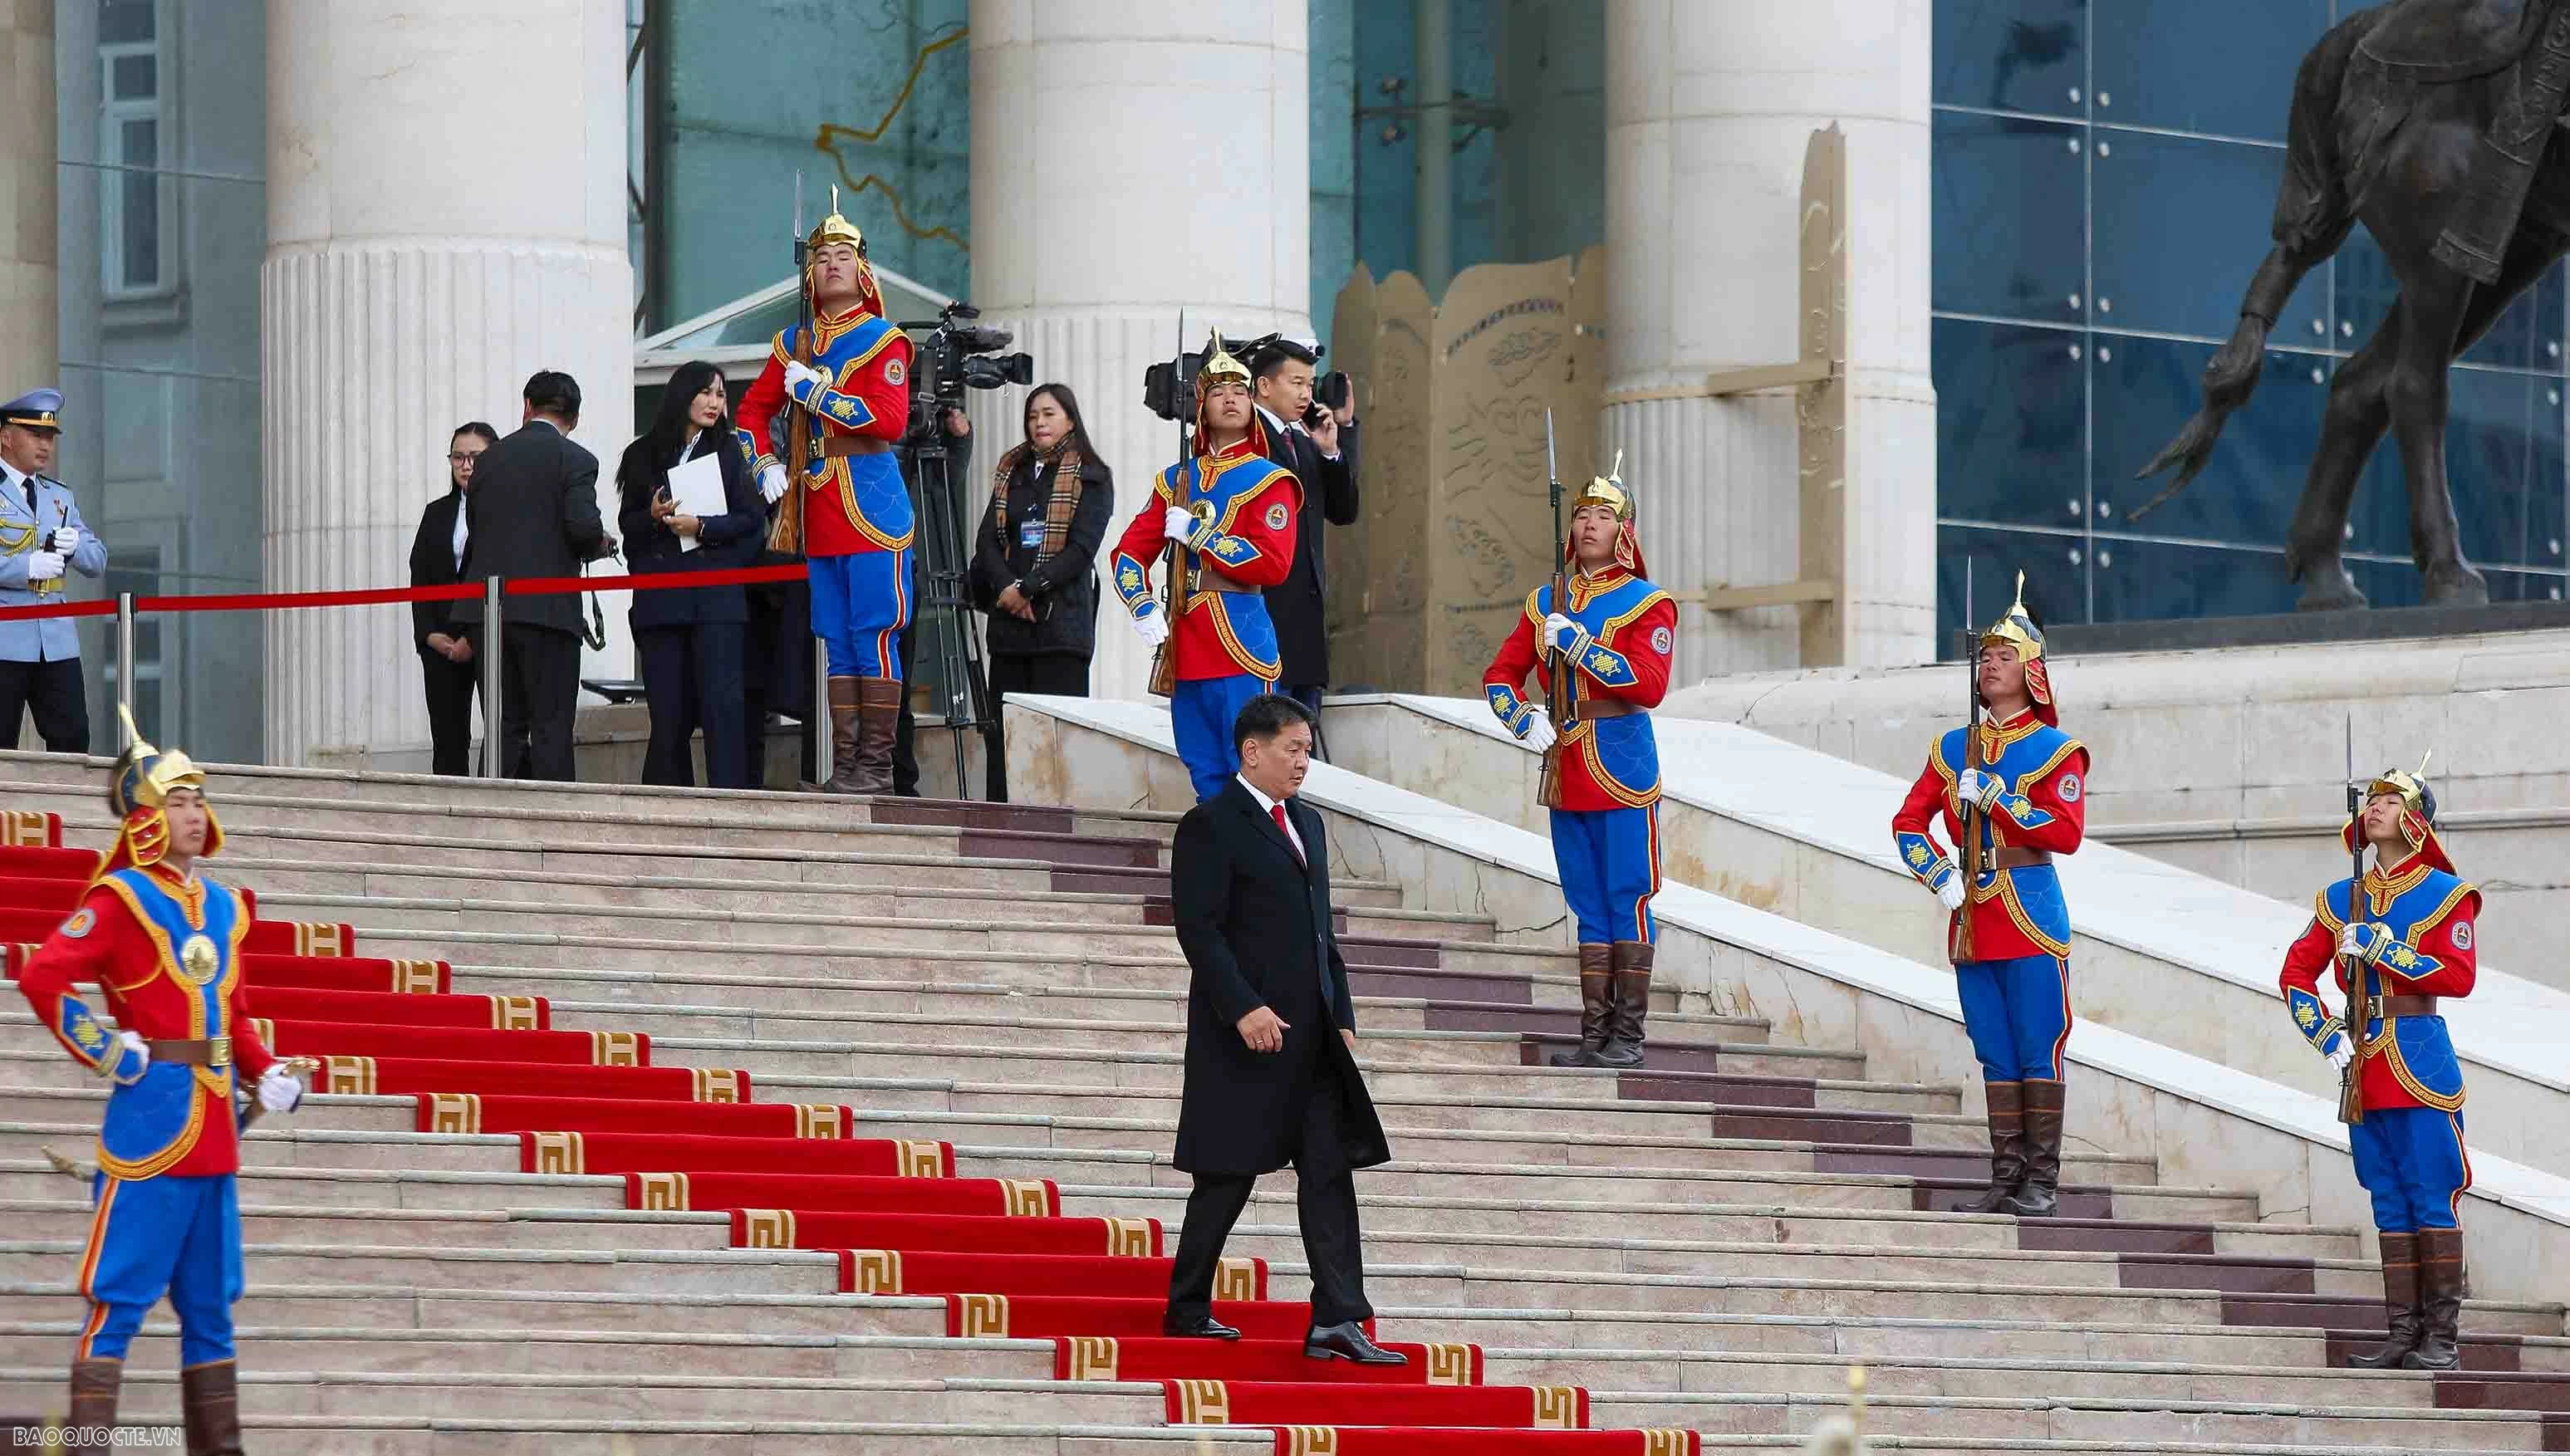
(163, 943)
(2412, 932)
(1230, 513)
(40, 534)
(1619, 630)
(853, 380)
(2011, 790)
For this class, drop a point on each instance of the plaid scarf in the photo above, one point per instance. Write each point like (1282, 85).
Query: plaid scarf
(1060, 506)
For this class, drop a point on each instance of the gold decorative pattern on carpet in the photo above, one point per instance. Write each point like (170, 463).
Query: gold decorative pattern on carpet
(920, 1158)
(24, 829)
(353, 1076)
(663, 1192)
(767, 1228)
(615, 1049)
(1128, 1237)
(415, 977)
(878, 1270)
(454, 1112)
(1310, 1440)
(1236, 1279)
(1664, 1443)
(982, 1314)
(314, 938)
(1092, 1357)
(821, 1120)
(514, 1013)
(1557, 1407)
(1449, 1364)
(717, 1084)
(1027, 1198)
(1203, 1404)
(562, 1153)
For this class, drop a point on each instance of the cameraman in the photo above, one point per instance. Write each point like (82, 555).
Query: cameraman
(1050, 498)
(1318, 444)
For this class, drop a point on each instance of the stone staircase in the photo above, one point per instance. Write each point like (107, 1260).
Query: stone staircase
(1703, 1245)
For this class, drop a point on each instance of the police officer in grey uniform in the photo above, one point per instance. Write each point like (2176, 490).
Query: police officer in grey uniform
(41, 539)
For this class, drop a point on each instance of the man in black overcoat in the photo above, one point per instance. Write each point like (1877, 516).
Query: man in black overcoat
(1271, 1036)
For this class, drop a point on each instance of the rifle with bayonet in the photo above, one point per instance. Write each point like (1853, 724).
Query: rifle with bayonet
(1970, 852)
(786, 534)
(1562, 694)
(2359, 905)
(1173, 591)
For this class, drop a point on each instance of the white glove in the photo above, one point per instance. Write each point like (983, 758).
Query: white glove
(1151, 627)
(1950, 893)
(1181, 525)
(771, 484)
(802, 377)
(67, 541)
(279, 1090)
(44, 566)
(2354, 938)
(1561, 632)
(1540, 733)
(141, 1051)
(1975, 787)
(2344, 1055)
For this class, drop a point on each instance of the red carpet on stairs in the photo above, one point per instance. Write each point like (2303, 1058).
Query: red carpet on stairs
(944, 1232)
(934, 1272)
(410, 1076)
(1452, 1441)
(472, 1112)
(389, 1008)
(1092, 1357)
(266, 937)
(47, 861)
(456, 1043)
(1045, 1316)
(556, 1152)
(762, 1193)
(347, 974)
(1258, 1402)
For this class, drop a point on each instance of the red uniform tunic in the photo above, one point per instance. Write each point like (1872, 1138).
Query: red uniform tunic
(1633, 630)
(2047, 810)
(118, 953)
(1256, 504)
(868, 361)
(2435, 938)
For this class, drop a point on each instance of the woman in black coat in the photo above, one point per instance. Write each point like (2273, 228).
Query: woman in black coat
(687, 641)
(1033, 559)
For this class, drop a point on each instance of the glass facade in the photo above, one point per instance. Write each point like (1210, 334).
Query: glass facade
(2104, 171)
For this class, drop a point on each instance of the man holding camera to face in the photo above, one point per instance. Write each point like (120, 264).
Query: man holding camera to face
(1316, 439)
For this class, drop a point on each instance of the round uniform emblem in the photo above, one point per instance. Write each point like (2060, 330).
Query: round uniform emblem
(1661, 640)
(2463, 935)
(1277, 517)
(2069, 788)
(893, 372)
(81, 923)
(197, 960)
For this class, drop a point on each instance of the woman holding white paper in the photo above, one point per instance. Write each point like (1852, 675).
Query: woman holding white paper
(687, 641)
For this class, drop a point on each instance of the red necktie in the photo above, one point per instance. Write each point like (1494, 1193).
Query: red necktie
(1277, 812)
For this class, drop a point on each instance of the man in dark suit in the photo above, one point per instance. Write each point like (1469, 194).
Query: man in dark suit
(1319, 444)
(446, 662)
(1271, 1037)
(532, 511)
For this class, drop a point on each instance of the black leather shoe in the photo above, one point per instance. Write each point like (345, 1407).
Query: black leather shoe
(1195, 1326)
(1348, 1342)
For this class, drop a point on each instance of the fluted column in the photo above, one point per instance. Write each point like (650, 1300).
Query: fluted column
(1131, 161)
(446, 216)
(1709, 107)
(28, 274)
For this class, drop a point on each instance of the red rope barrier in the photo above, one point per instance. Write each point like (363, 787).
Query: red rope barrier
(383, 596)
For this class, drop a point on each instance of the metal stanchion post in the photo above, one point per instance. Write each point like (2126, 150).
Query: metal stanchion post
(124, 671)
(489, 649)
(822, 765)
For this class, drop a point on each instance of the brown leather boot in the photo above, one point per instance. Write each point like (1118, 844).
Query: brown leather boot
(1596, 1007)
(2007, 1146)
(94, 1389)
(209, 1402)
(878, 722)
(2039, 1196)
(2399, 1304)
(2441, 1301)
(1631, 961)
(843, 737)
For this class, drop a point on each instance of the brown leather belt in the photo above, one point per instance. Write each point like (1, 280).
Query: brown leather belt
(840, 446)
(1608, 708)
(2017, 856)
(206, 1052)
(2390, 1006)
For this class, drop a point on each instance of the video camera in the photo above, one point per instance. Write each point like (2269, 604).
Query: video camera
(956, 356)
(1169, 387)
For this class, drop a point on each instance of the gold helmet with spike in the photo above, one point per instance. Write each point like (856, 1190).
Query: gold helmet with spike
(138, 789)
(1220, 365)
(2018, 629)
(1608, 491)
(2418, 812)
(836, 228)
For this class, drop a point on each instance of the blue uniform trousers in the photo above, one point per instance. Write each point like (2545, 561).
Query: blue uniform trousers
(1609, 861)
(1201, 711)
(2018, 1015)
(2412, 1159)
(860, 603)
(153, 1236)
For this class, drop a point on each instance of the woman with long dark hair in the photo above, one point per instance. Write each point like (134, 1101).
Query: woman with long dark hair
(1050, 498)
(687, 640)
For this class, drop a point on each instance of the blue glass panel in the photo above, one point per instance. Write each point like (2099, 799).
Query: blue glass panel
(2147, 389)
(2009, 234)
(2011, 55)
(2527, 336)
(2181, 225)
(2386, 583)
(2203, 65)
(2056, 586)
(2149, 580)
(2011, 423)
(2503, 463)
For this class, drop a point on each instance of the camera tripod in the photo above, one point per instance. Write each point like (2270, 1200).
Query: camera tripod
(945, 607)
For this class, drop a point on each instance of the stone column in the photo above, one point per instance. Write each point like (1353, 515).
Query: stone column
(1131, 161)
(1708, 110)
(446, 215)
(29, 281)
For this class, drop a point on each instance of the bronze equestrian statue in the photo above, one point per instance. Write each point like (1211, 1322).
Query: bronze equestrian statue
(2434, 123)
